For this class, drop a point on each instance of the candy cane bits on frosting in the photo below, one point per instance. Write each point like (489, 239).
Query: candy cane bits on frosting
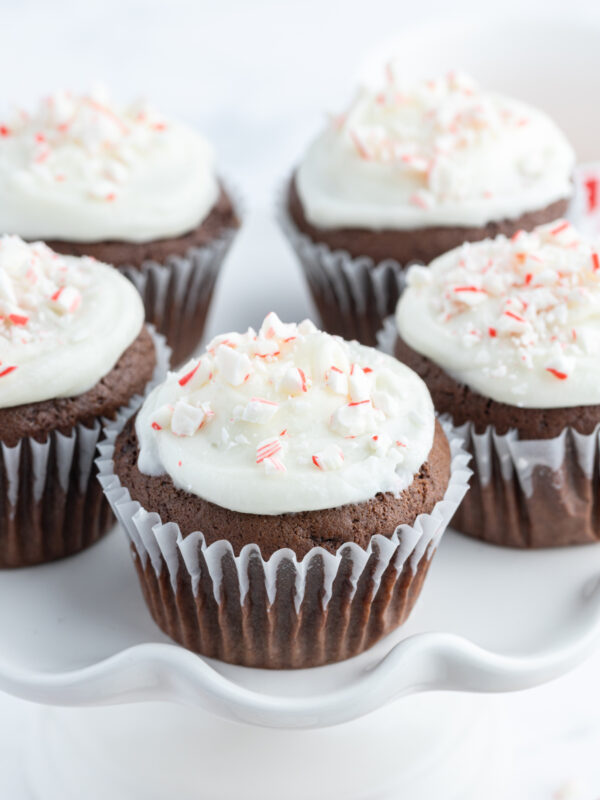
(284, 402)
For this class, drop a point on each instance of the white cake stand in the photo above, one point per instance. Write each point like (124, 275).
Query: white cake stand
(77, 633)
(411, 717)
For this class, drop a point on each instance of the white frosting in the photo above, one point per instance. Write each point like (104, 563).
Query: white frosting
(441, 152)
(81, 168)
(289, 419)
(64, 322)
(517, 320)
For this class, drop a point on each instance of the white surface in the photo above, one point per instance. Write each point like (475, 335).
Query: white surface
(273, 69)
(77, 633)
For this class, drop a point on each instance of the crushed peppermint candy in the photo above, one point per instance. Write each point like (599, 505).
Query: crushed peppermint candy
(423, 129)
(65, 321)
(40, 291)
(287, 400)
(332, 457)
(412, 154)
(87, 138)
(523, 312)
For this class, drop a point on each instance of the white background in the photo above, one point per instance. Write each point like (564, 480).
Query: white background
(257, 77)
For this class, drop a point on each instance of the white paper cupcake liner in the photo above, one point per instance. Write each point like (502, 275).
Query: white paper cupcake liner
(52, 506)
(532, 493)
(353, 295)
(526, 492)
(177, 293)
(279, 612)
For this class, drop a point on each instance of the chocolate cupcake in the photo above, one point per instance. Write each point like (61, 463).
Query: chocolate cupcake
(505, 334)
(289, 492)
(123, 185)
(73, 351)
(407, 173)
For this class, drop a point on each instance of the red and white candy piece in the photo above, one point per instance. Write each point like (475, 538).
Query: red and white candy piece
(560, 366)
(161, 419)
(258, 410)
(336, 380)
(294, 382)
(268, 453)
(274, 328)
(195, 374)
(233, 367)
(67, 299)
(188, 419)
(6, 370)
(354, 418)
(330, 458)
(380, 443)
(18, 319)
(512, 322)
(266, 348)
(359, 384)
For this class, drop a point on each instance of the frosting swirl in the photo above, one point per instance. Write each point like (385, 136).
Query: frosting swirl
(287, 419)
(517, 320)
(83, 169)
(440, 152)
(64, 322)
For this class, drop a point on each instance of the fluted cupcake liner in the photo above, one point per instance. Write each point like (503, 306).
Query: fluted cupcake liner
(532, 493)
(177, 294)
(353, 295)
(281, 612)
(526, 493)
(51, 503)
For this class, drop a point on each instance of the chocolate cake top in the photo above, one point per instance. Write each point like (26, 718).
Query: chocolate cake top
(439, 152)
(81, 167)
(287, 419)
(64, 322)
(517, 320)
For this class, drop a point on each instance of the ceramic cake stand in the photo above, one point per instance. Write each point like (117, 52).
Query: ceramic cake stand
(77, 633)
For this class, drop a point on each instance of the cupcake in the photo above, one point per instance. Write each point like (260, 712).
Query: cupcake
(289, 490)
(409, 172)
(506, 335)
(73, 350)
(131, 189)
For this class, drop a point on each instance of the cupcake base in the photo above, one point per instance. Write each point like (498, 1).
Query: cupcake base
(535, 479)
(280, 610)
(256, 633)
(532, 493)
(52, 505)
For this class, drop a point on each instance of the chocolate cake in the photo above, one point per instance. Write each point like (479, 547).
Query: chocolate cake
(288, 470)
(126, 186)
(502, 332)
(74, 351)
(408, 173)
